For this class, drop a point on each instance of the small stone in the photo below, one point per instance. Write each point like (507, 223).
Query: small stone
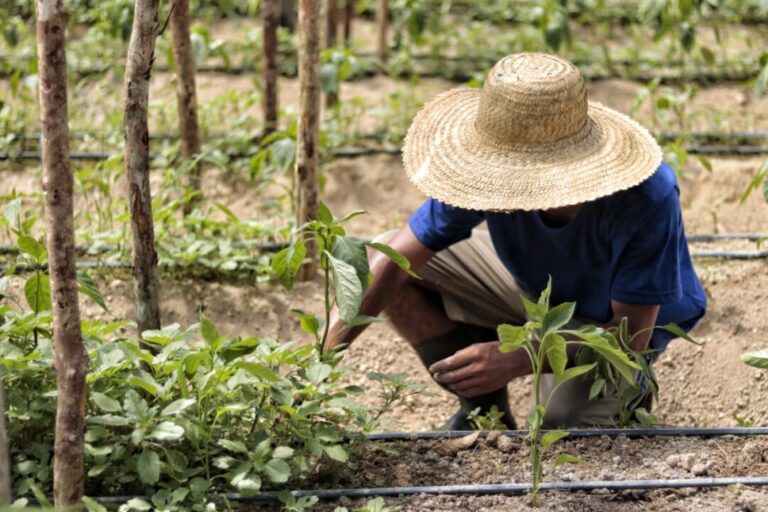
(699, 469)
(605, 475)
(617, 460)
(504, 444)
(687, 461)
(345, 501)
(567, 477)
(492, 436)
(673, 461)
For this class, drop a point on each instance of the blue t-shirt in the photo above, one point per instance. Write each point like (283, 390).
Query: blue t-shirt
(629, 247)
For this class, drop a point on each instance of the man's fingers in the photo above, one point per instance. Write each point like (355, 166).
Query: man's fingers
(457, 360)
(452, 377)
(463, 385)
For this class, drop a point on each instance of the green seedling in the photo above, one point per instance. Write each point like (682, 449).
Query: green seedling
(344, 263)
(545, 339)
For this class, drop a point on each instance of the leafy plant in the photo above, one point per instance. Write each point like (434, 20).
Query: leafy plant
(344, 263)
(545, 339)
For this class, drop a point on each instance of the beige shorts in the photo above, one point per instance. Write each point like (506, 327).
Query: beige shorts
(477, 288)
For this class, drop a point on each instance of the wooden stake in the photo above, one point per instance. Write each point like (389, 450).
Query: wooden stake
(5, 462)
(332, 22)
(270, 21)
(186, 96)
(308, 130)
(349, 14)
(71, 358)
(137, 74)
(382, 15)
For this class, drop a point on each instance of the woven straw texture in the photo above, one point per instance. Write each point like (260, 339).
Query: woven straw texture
(529, 140)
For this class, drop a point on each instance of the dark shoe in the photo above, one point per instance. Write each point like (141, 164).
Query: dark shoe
(440, 347)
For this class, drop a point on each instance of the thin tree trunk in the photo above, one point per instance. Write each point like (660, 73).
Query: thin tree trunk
(309, 108)
(186, 95)
(71, 359)
(137, 74)
(349, 14)
(331, 36)
(270, 20)
(5, 461)
(382, 15)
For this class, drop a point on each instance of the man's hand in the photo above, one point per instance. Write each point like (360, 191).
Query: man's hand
(479, 369)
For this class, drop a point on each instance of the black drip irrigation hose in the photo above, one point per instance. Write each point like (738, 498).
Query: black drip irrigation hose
(712, 237)
(481, 489)
(356, 152)
(631, 433)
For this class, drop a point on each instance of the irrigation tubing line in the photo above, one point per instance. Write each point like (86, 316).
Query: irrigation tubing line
(474, 490)
(632, 433)
(356, 152)
(711, 237)
(720, 138)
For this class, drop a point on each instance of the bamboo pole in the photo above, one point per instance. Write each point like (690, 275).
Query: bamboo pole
(382, 16)
(137, 74)
(71, 358)
(349, 14)
(308, 129)
(5, 461)
(331, 36)
(186, 96)
(269, 13)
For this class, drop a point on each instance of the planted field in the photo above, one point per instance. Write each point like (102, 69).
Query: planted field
(233, 394)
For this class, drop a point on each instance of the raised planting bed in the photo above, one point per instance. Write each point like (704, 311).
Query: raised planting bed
(713, 471)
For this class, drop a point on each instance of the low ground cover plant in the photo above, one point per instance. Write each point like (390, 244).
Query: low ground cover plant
(181, 416)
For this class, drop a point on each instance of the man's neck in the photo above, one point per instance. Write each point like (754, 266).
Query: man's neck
(558, 217)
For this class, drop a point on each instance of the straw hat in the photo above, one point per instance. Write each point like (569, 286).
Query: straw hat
(529, 140)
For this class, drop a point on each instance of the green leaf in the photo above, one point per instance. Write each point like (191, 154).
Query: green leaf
(31, 247)
(336, 452)
(573, 372)
(136, 504)
(760, 176)
(349, 291)
(351, 215)
(209, 332)
(91, 505)
(283, 452)
(511, 337)
(351, 250)
(707, 54)
(554, 345)
(309, 323)
(677, 331)
(87, 287)
(757, 358)
(318, 373)
(397, 258)
(534, 311)
(249, 486)
(324, 215)
(705, 163)
(283, 153)
(148, 465)
(167, 431)
(233, 446)
(552, 437)
(286, 263)
(557, 317)
(106, 403)
(277, 470)
(565, 458)
(37, 290)
(178, 406)
(258, 370)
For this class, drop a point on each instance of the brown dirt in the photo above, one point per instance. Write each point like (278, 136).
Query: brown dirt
(501, 460)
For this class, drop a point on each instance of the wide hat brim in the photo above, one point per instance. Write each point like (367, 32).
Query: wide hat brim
(447, 159)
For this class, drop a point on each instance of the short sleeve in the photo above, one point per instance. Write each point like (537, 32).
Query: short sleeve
(438, 225)
(647, 266)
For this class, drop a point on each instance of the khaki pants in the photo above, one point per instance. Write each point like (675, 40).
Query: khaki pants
(477, 288)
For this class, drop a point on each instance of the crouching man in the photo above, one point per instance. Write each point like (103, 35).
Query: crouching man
(568, 188)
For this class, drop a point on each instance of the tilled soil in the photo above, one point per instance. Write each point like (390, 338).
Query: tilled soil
(499, 459)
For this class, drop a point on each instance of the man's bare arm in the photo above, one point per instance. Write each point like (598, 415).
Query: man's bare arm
(388, 280)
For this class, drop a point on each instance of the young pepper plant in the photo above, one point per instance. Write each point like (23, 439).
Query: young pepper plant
(342, 257)
(545, 339)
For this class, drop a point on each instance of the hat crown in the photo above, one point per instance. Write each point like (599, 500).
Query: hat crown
(532, 98)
